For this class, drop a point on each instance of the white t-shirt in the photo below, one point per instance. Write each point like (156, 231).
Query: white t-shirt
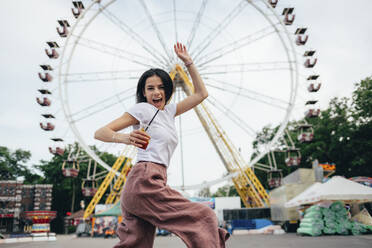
(162, 131)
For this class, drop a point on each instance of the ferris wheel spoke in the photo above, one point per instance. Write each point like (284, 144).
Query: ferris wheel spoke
(235, 45)
(179, 91)
(244, 67)
(81, 77)
(196, 24)
(269, 100)
(136, 37)
(175, 21)
(102, 105)
(218, 29)
(100, 109)
(232, 116)
(114, 51)
(157, 31)
(262, 167)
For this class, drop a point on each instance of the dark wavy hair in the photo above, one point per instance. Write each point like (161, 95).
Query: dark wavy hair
(165, 78)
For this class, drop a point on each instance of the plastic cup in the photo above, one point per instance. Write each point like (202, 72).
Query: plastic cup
(142, 128)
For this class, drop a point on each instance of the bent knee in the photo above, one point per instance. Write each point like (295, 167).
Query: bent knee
(207, 212)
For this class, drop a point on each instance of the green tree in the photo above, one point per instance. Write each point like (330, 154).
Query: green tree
(13, 165)
(361, 137)
(342, 135)
(362, 101)
(205, 192)
(226, 190)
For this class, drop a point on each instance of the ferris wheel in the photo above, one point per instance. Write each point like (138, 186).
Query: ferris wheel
(247, 53)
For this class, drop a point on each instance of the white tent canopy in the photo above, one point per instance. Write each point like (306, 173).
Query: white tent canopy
(336, 189)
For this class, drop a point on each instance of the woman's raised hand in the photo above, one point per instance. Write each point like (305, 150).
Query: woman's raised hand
(182, 53)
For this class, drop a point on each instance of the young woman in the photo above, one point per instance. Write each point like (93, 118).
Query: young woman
(147, 201)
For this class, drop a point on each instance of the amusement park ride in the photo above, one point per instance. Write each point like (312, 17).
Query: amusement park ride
(221, 41)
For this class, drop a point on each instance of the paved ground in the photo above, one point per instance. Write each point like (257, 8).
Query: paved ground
(236, 241)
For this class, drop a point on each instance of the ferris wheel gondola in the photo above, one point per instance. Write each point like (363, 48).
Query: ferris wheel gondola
(57, 148)
(89, 184)
(52, 53)
(70, 166)
(77, 9)
(47, 127)
(274, 178)
(306, 133)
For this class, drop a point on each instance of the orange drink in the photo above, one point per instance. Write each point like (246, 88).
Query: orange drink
(144, 146)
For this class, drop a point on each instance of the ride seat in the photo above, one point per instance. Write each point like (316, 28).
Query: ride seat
(78, 8)
(89, 192)
(273, 3)
(70, 172)
(64, 25)
(312, 87)
(53, 54)
(311, 113)
(48, 127)
(308, 64)
(293, 161)
(305, 137)
(288, 16)
(46, 78)
(58, 151)
(289, 19)
(45, 102)
(301, 40)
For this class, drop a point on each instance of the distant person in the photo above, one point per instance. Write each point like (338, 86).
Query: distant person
(147, 201)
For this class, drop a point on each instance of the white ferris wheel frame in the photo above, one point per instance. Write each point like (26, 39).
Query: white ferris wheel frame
(294, 77)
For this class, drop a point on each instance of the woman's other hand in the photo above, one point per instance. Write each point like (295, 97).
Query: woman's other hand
(182, 53)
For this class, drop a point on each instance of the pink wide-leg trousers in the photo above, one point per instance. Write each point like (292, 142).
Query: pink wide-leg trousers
(147, 202)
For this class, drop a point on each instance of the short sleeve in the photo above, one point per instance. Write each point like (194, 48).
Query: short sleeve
(172, 108)
(138, 112)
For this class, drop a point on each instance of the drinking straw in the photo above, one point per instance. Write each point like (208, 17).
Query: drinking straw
(147, 127)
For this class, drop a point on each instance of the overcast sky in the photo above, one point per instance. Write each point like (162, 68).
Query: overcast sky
(340, 31)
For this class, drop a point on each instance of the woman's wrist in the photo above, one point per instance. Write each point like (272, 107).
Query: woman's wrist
(125, 138)
(188, 63)
(121, 138)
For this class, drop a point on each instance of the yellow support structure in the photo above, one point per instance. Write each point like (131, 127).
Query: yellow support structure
(247, 184)
(115, 192)
(106, 182)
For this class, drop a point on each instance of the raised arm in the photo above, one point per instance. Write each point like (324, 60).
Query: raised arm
(200, 92)
(109, 133)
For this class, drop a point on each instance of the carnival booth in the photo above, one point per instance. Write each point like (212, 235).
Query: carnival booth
(326, 208)
(104, 224)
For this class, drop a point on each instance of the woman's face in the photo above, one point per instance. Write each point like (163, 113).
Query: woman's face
(154, 92)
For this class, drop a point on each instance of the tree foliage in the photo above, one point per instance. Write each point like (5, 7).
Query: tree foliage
(205, 192)
(13, 165)
(342, 135)
(226, 190)
(362, 101)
